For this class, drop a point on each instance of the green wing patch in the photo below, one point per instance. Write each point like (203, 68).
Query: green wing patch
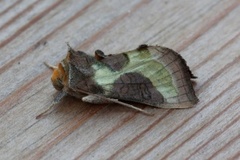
(151, 75)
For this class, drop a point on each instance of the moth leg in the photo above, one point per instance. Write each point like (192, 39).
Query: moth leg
(50, 66)
(95, 99)
(57, 99)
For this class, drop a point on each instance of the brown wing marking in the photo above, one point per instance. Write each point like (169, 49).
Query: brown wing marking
(137, 88)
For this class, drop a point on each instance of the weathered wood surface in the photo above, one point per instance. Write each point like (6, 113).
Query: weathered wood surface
(206, 33)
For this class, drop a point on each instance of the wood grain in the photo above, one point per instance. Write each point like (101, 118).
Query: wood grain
(206, 33)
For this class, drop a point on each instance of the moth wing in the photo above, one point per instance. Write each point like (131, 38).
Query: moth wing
(151, 75)
(80, 74)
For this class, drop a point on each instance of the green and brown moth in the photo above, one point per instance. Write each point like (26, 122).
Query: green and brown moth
(151, 75)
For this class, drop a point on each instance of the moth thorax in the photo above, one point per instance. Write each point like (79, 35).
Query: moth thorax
(58, 77)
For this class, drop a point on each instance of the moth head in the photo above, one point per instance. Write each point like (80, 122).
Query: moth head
(58, 77)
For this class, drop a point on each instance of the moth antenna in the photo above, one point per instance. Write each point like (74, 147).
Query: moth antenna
(50, 66)
(46, 112)
(131, 106)
(69, 47)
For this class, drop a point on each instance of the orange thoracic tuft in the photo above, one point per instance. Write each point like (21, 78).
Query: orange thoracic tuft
(58, 77)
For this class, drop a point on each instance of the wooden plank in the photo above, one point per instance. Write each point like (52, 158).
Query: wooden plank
(206, 33)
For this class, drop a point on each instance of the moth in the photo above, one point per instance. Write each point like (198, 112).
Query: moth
(151, 75)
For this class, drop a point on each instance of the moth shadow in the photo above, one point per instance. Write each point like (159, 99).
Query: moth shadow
(71, 106)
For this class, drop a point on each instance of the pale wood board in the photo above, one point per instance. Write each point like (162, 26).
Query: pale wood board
(206, 33)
